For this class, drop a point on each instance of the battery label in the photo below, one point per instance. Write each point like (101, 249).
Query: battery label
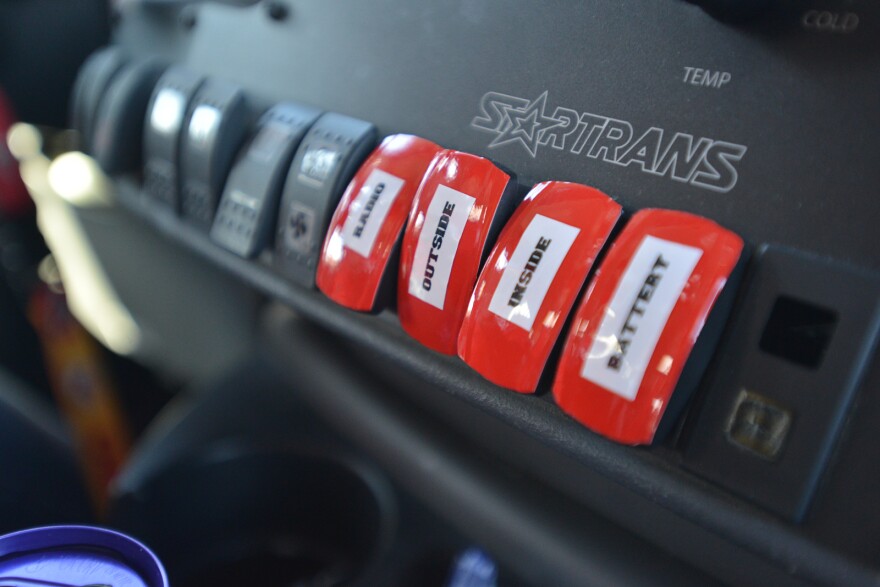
(445, 220)
(531, 269)
(368, 210)
(637, 314)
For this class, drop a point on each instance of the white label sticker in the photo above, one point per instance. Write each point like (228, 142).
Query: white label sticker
(637, 314)
(445, 220)
(367, 212)
(531, 270)
(168, 110)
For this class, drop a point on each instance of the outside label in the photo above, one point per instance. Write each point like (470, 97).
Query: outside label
(367, 212)
(444, 224)
(531, 270)
(637, 313)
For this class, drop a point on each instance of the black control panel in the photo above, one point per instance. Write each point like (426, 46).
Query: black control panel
(758, 116)
(793, 365)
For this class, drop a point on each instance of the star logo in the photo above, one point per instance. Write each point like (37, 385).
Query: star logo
(525, 125)
(512, 119)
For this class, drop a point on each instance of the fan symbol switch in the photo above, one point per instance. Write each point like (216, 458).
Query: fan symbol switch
(299, 228)
(298, 225)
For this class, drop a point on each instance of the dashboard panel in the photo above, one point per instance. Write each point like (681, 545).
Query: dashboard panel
(763, 122)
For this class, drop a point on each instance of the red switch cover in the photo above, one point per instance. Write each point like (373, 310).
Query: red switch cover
(14, 199)
(354, 266)
(531, 281)
(462, 202)
(639, 321)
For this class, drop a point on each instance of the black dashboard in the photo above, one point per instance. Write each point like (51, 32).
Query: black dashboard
(759, 116)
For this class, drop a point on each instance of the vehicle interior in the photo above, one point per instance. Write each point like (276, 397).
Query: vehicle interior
(194, 352)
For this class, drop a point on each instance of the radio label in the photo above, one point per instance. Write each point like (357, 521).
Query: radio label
(368, 211)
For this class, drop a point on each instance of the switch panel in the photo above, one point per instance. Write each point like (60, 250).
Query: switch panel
(247, 210)
(166, 115)
(216, 125)
(325, 162)
(789, 370)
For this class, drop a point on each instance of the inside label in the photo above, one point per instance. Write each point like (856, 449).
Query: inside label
(531, 269)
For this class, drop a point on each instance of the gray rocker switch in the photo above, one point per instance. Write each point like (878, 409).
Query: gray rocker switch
(246, 214)
(162, 133)
(215, 127)
(325, 162)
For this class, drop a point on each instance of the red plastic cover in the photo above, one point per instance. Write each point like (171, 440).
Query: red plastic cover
(369, 220)
(444, 243)
(531, 280)
(639, 321)
(14, 199)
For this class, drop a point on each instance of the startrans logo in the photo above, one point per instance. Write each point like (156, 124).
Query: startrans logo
(702, 162)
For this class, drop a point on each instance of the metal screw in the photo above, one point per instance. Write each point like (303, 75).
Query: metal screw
(187, 17)
(277, 10)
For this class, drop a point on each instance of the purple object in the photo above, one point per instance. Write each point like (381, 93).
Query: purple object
(77, 556)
